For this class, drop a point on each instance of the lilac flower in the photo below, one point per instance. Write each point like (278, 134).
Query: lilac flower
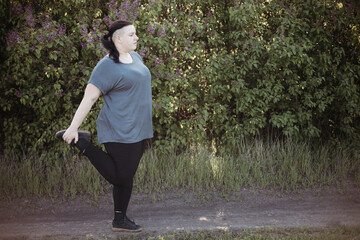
(29, 17)
(208, 17)
(59, 93)
(103, 50)
(70, 47)
(108, 20)
(127, 10)
(151, 28)
(13, 37)
(157, 105)
(84, 31)
(52, 35)
(178, 73)
(126, 6)
(96, 24)
(18, 93)
(47, 25)
(16, 9)
(142, 52)
(152, 1)
(62, 29)
(134, 13)
(83, 44)
(112, 4)
(157, 61)
(40, 38)
(162, 32)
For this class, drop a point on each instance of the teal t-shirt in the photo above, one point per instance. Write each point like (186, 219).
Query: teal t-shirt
(126, 115)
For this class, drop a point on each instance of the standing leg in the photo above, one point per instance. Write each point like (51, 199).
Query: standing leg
(127, 158)
(121, 197)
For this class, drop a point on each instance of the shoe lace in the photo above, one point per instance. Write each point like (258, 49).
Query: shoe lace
(131, 221)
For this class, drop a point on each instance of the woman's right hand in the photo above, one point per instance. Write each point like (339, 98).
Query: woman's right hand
(70, 135)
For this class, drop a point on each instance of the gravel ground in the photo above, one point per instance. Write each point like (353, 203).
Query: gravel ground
(39, 218)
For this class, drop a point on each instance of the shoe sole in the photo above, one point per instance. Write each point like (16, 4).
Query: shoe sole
(126, 230)
(84, 133)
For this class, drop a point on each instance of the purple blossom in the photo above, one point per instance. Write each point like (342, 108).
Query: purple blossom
(169, 76)
(127, 10)
(62, 29)
(47, 25)
(103, 50)
(151, 28)
(162, 32)
(178, 73)
(152, 1)
(18, 93)
(142, 52)
(84, 31)
(157, 61)
(135, 5)
(51, 36)
(157, 105)
(13, 37)
(112, 5)
(40, 38)
(208, 17)
(70, 47)
(29, 17)
(97, 26)
(108, 20)
(83, 44)
(59, 93)
(16, 9)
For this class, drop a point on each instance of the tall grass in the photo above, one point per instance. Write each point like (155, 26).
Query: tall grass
(50, 174)
(287, 165)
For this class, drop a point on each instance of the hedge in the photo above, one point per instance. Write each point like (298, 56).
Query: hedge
(221, 70)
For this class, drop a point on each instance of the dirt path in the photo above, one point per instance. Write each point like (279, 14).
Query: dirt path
(246, 209)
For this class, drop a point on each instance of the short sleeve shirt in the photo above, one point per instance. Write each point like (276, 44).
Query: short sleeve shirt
(126, 115)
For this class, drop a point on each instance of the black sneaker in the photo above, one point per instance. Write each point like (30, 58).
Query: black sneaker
(125, 225)
(82, 134)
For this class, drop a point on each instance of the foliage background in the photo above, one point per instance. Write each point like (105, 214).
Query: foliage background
(221, 70)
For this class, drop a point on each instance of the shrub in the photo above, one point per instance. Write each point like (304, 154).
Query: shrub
(221, 70)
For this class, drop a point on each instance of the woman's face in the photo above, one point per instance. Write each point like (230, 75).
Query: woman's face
(127, 38)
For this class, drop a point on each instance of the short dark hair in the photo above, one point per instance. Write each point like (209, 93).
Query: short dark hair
(107, 39)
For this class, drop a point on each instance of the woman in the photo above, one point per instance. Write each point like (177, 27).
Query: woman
(125, 120)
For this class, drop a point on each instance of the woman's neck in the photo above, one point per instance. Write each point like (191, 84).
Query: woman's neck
(125, 58)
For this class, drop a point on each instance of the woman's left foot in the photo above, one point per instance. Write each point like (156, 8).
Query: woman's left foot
(125, 225)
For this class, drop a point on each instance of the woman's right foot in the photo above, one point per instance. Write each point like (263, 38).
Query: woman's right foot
(83, 134)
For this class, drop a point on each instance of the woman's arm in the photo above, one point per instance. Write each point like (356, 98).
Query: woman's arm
(91, 95)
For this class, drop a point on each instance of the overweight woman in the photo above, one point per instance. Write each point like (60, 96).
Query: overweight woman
(124, 122)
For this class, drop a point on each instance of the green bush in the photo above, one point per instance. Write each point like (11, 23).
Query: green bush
(221, 70)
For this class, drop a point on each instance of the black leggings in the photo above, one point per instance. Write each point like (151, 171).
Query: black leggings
(118, 166)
